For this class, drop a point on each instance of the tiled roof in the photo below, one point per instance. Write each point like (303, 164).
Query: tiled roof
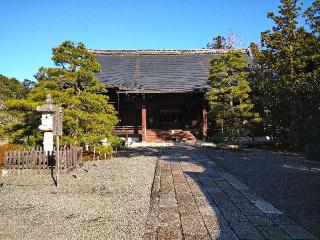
(149, 71)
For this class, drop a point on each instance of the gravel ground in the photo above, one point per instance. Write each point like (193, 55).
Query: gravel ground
(101, 200)
(284, 182)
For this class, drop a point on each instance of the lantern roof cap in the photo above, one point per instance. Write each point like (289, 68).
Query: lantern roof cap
(49, 107)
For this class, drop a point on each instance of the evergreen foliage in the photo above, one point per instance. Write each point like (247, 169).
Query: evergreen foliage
(229, 41)
(286, 81)
(12, 88)
(254, 50)
(312, 15)
(218, 42)
(88, 117)
(230, 105)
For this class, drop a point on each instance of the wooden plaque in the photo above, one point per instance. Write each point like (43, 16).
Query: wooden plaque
(57, 124)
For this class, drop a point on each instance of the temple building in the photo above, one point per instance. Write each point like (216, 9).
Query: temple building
(159, 94)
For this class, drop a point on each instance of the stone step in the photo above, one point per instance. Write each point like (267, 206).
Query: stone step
(162, 135)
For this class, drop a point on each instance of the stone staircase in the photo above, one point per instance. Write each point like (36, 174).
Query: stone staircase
(176, 135)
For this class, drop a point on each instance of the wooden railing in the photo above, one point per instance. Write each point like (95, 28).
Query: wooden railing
(126, 131)
(127, 128)
(36, 158)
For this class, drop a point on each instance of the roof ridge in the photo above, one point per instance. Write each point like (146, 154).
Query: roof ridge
(164, 51)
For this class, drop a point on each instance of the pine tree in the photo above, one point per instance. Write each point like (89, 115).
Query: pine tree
(218, 42)
(229, 98)
(282, 82)
(10, 88)
(88, 117)
(313, 17)
(311, 44)
(229, 41)
(278, 62)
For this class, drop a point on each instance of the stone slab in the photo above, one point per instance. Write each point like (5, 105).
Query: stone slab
(246, 230)
(273, 233)
(297, 232)
(266, 207)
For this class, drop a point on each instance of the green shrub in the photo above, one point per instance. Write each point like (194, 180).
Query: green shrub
(117, 143)
(105, 152)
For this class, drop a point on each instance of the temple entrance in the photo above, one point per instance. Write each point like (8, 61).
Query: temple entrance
(171, 119)
(165, 116)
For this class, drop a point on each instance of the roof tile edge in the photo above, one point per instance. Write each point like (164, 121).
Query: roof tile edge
(164, 51)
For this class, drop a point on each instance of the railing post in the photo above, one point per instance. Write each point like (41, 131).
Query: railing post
(7, 160)
(144, 122)
(204, 122)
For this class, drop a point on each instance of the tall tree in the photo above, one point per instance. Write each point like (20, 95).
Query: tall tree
(313, 17)
(311, 43)
(218, 42)
(88, 117)
(11, 88)
(230, 105)
(282, 81)
(229, 41)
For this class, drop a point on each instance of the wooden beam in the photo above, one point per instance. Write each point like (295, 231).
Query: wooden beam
(204, 122)
(144, 122)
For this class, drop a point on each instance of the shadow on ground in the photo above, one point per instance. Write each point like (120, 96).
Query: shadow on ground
(287, 181)
(194, 197)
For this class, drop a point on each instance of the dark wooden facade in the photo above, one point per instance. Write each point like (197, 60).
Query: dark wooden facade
(161, 90)
(165, 111)
(162, 111)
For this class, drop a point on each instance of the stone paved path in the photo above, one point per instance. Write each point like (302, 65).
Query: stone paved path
(194, 198)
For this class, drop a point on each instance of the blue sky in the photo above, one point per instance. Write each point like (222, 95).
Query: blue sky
(30, 28)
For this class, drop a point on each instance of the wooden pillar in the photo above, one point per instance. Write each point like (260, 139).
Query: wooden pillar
(144, 122)
(204, 122)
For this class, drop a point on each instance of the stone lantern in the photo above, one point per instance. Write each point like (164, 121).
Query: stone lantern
(48, 111)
